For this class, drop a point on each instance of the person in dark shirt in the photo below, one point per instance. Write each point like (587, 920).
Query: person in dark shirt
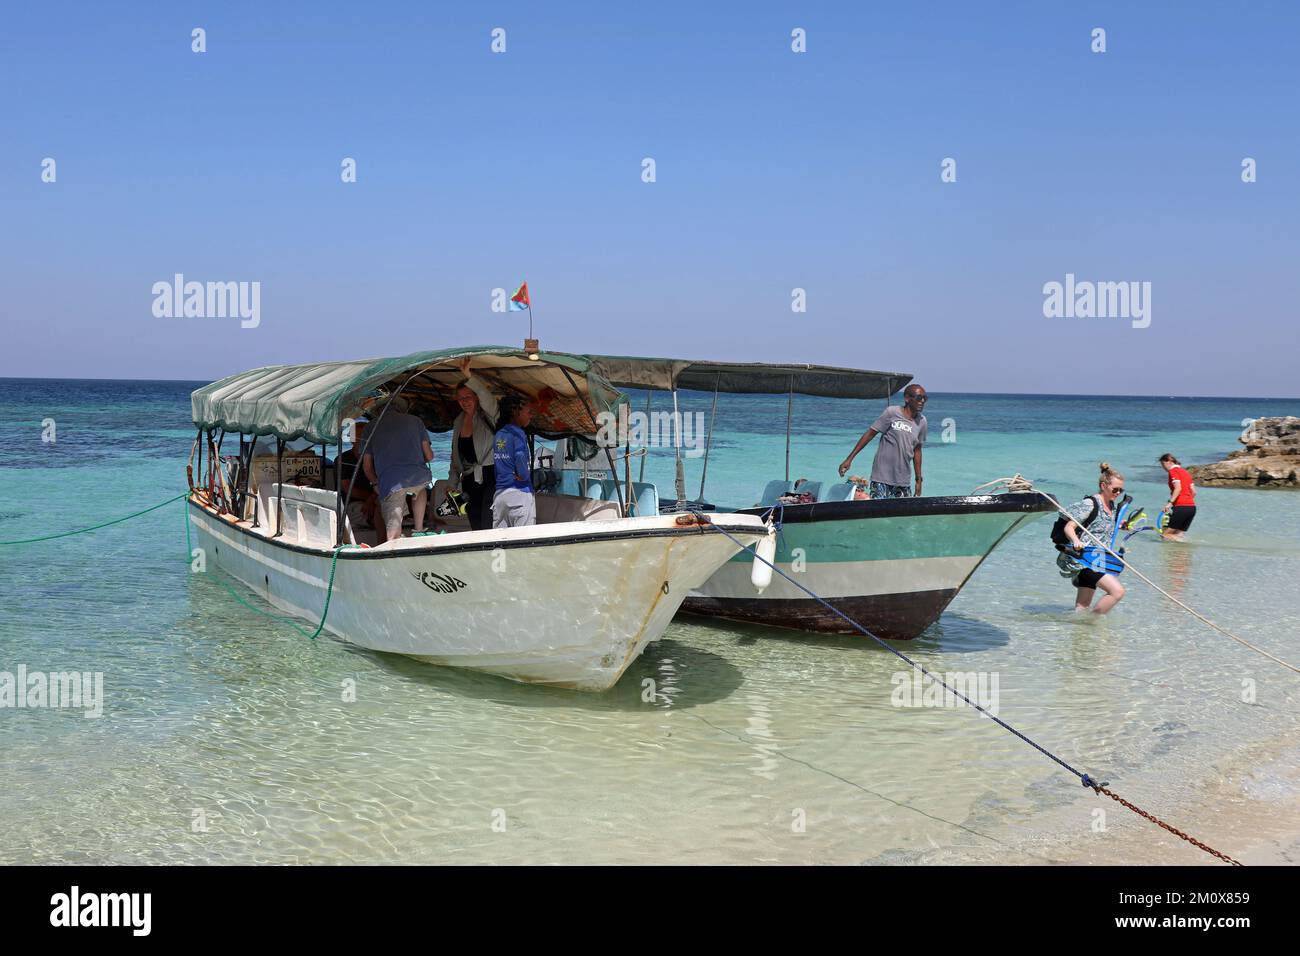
(473, 448)
(514, 504)
(396, 461)
(353, 481)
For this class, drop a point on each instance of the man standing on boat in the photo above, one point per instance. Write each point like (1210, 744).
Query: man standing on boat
(397, 464)
(902, 432)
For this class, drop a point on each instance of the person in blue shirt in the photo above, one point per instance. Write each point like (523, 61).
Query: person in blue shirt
(514, 504)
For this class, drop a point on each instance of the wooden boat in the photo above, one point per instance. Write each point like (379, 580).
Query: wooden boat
(569, 602)
(893, 565)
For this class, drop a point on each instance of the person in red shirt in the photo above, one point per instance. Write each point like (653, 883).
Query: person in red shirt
(1182, 498)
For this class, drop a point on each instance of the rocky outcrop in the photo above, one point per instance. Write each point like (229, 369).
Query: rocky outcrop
(1271, 458)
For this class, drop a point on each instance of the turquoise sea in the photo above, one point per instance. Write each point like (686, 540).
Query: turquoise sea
(226, 736)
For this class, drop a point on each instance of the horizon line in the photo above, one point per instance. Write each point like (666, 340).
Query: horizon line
(1260, 398)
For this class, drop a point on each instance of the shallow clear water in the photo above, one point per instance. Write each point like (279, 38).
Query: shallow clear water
(217, 716)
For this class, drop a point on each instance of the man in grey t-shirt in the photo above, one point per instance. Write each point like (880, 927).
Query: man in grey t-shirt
(902, 432)
(397, 463)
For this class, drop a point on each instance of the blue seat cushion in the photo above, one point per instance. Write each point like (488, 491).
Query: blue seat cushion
(775, 489)
(841, 491)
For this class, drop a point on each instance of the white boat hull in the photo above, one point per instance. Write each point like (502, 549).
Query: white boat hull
(570, 605)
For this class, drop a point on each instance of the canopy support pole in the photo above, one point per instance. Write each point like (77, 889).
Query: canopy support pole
(207, 466)
(646, 453)
(680, 483)
(252, 453)
(212, 471)
(613, 469)
(708, 442)
(789, 415)
(279, 490)
(339, 519)
(241, 487)
(221, 474)
(195, 466)
(627, 465)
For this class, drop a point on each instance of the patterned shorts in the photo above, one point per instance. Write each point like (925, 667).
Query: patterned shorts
(878, 489)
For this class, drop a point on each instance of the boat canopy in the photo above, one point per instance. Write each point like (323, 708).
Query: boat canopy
(310, 401)
(828, 381)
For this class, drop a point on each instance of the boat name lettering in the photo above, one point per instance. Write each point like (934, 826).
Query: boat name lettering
(442, 583)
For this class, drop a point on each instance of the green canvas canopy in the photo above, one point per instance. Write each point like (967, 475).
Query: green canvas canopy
(309, 401)
(664, 374)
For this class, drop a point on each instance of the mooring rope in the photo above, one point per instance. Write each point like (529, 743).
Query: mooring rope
(189, 552)
(283, 618)
(68, 534)
(1019, 483)
(1085, 779)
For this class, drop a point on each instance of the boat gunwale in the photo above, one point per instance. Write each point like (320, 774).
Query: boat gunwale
(433, 550)
(1012, 503)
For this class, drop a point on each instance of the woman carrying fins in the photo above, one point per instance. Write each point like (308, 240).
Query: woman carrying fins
(1089, 567)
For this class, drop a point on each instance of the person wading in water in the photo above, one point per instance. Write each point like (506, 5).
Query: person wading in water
(1096, 513)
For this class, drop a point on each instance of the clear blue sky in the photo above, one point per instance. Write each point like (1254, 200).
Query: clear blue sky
(775, 170)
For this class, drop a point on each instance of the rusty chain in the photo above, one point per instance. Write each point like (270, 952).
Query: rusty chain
(1101, 788)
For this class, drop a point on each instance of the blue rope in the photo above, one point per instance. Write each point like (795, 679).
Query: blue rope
(776, 514)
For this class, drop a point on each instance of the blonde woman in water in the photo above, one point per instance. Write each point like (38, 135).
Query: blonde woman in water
(1096, 514)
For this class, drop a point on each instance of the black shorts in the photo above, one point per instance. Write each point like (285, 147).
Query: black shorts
(1088, 578)
(1180, 517)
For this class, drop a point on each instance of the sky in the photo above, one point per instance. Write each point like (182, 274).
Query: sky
(774, 171)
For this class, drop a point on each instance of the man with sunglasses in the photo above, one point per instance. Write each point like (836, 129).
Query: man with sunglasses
(902, 432)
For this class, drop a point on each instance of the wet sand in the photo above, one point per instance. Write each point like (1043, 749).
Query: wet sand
(1249, 811)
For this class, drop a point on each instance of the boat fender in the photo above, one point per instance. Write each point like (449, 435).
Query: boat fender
(761, 573)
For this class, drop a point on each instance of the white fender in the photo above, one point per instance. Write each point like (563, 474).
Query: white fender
(761, 574)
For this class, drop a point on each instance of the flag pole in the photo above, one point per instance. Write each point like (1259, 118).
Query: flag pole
(530, 343)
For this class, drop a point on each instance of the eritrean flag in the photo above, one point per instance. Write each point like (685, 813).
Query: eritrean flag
(519, 301)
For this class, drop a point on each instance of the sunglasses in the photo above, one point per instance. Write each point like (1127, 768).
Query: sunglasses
(920, 399)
